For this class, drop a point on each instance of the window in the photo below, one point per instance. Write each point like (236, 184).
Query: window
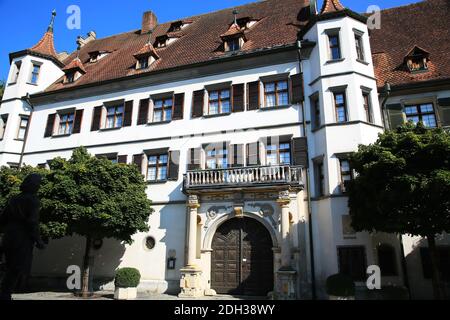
(421, 112)
(66, 123)
(162, 110)
(352, 262)
(219, 101)
(35, 73)
(367, 107)
(319, 178)
(22, 127)
(315, 112)
(143, 63)
(70, 77)
(3, 122)
(114, 116)
(109, 156)
(346, 174)
(417, 63)
(217, 157)
(276, 93)
(340, 106)
(233, 44)
(359, 47)
(15, 76)
(278, 154)
(386, 260)
(176, 26)
(334, 47)
(157, 167)
(443, 253)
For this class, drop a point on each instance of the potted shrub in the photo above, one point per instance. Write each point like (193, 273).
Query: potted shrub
(340, 287)
(126, 283)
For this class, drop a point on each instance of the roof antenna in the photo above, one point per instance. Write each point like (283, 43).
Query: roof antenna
(52, 21)
(235, 12)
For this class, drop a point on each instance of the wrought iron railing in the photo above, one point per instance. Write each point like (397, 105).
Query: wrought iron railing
(245, 176)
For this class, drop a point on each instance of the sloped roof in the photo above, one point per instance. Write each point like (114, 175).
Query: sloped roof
(75, 64)
(146, 50)
(232, 31)
(46, 45)
(201, 42)
(425, 25)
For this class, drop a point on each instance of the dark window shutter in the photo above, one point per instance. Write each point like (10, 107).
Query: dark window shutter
(77, 121)
(50, 125)
(236, 155)
(178, 106)
(300, 152)
(122, 159)
(198, 103)
(395, 113)
(96, 118)
(253, 96)
(238, 97)
(194, 159)
(297, 92)
(128, 115)
(444, 111)
(174, 165)
(253, 156)
(143, 112)
(137, 160)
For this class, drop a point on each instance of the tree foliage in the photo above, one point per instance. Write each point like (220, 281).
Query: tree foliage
(403, 182)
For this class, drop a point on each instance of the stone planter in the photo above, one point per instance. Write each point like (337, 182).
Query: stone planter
(125, 293)
(330, 297)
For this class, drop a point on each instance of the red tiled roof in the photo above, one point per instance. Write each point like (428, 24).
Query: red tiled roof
(331, 6)
(425, 25)
(232, 31)
(145, 50)
(75, 64)
(278, 25)
(46, 45)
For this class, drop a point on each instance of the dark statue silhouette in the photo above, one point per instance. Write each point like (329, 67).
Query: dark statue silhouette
(20, 223)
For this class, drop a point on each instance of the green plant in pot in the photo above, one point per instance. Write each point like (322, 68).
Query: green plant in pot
(340, 287)
(126, 283)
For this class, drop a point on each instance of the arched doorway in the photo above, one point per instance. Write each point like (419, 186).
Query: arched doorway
(242, 258)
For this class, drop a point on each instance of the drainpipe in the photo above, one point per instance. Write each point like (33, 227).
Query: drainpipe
(387, 93)
(28, 101)
(308, 196)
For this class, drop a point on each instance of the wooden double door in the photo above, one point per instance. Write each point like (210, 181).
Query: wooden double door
(242, 258)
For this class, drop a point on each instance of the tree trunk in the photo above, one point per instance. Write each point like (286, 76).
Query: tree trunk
(436, 276)
(87, 263)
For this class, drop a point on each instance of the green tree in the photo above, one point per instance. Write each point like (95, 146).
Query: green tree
(87, 196)
(403, 187)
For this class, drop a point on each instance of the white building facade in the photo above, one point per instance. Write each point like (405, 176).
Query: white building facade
(245, 150)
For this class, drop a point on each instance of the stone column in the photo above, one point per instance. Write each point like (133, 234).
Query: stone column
(286, 275)
(190, 283)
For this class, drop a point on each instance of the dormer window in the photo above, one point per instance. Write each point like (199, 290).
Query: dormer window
(70, 77)
(73, 71)
(246, 22)
(233, 39)
(145, 57)
(161, 41)
(95, 56)
(179, 25)
(233, 44)
(142, 63)
(417, 60)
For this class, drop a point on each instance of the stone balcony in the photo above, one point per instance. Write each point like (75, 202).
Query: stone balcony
(278, 176)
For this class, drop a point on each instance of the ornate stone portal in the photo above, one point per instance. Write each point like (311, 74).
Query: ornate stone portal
(190, 283)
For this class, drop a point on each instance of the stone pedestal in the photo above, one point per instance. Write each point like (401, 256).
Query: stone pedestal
(190, 283)
(286, 284)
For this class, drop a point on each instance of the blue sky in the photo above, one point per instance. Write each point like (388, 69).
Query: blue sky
(24, 22)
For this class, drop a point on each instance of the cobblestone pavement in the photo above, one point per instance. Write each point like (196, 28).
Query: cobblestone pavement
(109, 295)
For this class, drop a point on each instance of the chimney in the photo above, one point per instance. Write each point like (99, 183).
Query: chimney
(81, 42)
(149, 22)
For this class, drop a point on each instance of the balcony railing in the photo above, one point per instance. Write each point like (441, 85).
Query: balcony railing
(244, 177)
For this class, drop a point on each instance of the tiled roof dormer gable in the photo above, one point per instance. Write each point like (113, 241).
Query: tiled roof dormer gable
(179, 25)
(73, 71)
(46, 45)
(330, 6)
(417, 60)
(234, 38)
(145, 56)
(95, 56)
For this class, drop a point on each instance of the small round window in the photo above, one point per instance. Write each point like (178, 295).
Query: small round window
(150, 243)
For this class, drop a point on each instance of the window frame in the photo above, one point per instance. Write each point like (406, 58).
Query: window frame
(364, 254)
(276, 92)
(330, 34)
(336, 105)
(22, 117)
(115, 106)
(32, 73)
(342, 173)
(142, 66)
(367, 105)
(218, 157)
(316, 120)
(157, 165)
(62, 114)
(16, 73)
(219, 101)
(393, 256)
(234, 41)
(163, 109)
(278, 151)
(319, 177)
(419, 112)
(4, 123)
(359, 45)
